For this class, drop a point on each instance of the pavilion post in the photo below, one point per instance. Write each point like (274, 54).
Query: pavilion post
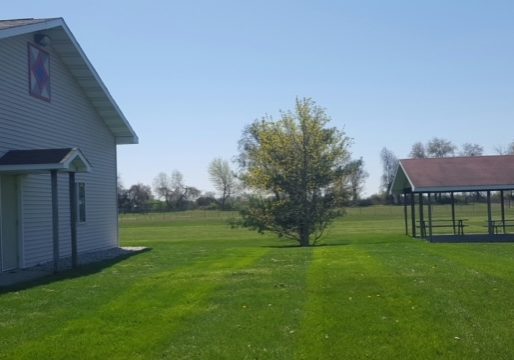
(453, 211)
(405, 217)
(421, 217)
(413, 213)
(73, 218)
(429, 217)
(55, 219)
(502, 201)
(489, 215)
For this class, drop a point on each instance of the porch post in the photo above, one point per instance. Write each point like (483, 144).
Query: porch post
(429, 217)
(413, 213)
(453, 211)
(421, 217)
(55, 219)
(405, 217)
(502, 200)
(73, 218)
(489, 216)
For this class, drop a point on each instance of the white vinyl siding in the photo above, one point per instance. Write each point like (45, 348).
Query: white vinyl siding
(68, 120)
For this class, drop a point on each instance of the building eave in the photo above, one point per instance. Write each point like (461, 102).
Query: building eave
(72, 55)
(463, 188)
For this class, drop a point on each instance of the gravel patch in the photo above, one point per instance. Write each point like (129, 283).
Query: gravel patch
(93, 257)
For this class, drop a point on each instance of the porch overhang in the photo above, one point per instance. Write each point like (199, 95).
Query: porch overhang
(44, 160)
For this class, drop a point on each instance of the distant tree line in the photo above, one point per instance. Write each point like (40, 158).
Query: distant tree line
(171, 193)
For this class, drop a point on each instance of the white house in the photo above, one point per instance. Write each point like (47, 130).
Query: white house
(59, 128)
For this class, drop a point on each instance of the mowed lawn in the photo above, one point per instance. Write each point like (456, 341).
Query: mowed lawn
(206, 291)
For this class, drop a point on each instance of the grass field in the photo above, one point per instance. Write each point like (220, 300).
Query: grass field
(205, 291)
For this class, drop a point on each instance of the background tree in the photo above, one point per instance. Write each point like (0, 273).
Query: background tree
(206, 200)
(223, 179)
(172, 189)
(439, 148)
(294, 164)
(179, 190)
(389, 165)
(138, 197)
(418, 151)
(123, 201)
(505, 150)
(356, 177)
(162, 186)
(469, 149)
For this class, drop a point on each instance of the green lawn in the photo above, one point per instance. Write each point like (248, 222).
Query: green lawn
(205, 291)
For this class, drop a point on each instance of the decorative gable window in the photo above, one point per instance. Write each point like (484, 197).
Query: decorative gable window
(39, 72)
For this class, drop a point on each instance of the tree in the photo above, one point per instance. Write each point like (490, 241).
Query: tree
(389, 165)
(508, 150)
(469, 149)
(292, 166)
(123, 201)
(439, 148)
(223, 179)
(173, 191)
(138, 197)
(356, 176)
(418, 151)
(163, 188)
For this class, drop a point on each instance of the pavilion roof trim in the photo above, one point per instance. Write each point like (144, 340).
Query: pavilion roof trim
(454, 174)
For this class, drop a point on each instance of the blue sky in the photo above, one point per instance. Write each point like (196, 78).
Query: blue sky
(190, 75)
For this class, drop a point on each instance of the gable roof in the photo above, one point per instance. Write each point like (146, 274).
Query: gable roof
(477, 173)
(69, 51)
(33, 161)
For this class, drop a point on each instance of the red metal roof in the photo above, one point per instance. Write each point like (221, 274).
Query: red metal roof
(456, 173)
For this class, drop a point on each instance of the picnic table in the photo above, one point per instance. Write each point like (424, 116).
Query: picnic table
(457, 225)
(499, 226)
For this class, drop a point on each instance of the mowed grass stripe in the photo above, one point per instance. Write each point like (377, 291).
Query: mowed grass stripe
(258, 312)
(477, 297)
(361, 307)
(456, 300)
(140, 320)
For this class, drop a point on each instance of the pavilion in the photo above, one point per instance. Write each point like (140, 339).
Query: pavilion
(420, 180)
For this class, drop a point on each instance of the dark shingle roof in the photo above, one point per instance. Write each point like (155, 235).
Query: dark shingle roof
(29, 157)
(456, 173)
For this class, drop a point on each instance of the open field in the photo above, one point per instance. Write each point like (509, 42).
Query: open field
(205, 291)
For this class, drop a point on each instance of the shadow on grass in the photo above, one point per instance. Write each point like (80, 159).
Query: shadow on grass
(46, 277)
(289, 246)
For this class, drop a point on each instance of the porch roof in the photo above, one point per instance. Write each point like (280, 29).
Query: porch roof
(42, 160)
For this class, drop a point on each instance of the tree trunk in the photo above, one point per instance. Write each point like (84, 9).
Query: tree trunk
(304, 238)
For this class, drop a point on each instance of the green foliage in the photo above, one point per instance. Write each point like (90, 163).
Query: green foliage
(439, 148)
(295, 166)
(138, 198)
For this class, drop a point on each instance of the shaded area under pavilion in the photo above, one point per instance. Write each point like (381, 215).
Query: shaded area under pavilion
(420, 181)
